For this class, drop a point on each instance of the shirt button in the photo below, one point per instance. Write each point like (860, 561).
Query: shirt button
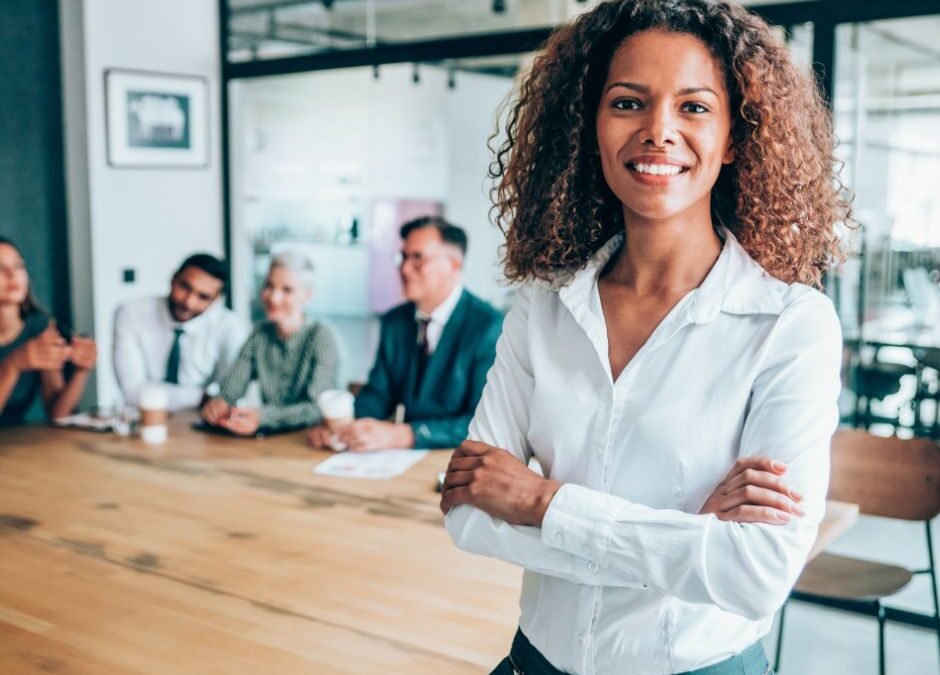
(559, 537)
(582, 638)
(592, 567)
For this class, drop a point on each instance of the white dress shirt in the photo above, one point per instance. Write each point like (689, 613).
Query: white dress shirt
(439, 316)
(143, 336)
(624, 576)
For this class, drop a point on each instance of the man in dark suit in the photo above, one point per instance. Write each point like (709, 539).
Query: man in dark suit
(434, 351)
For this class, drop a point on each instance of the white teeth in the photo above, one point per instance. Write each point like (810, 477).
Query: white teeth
(658, 169)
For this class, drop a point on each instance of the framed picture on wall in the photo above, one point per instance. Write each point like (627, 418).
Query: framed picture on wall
(156, 119)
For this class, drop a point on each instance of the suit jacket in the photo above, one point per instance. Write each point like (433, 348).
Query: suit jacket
(440, 411)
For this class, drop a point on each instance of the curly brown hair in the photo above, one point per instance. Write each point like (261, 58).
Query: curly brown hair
(781, 197)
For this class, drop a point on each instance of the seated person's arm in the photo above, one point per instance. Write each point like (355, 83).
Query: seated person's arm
(375, 403)
(229, 344)
(130, 367)
(449, 432)
(217, 410)
(128, 357)
(375, 399)
(326, 354)
(69, 392)
(440, 432)
(47, 352)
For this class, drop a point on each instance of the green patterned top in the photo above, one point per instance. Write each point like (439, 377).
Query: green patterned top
(291, 373)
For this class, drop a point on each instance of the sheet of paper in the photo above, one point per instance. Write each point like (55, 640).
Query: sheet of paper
(379, 465)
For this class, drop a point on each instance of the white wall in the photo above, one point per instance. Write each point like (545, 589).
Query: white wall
(146, 219)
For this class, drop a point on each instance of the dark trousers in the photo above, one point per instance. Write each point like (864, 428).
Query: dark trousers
(524, 659)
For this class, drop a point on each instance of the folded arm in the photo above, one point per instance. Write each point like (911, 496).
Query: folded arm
(743, 568)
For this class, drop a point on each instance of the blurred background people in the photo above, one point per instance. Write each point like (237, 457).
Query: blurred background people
(434, 351)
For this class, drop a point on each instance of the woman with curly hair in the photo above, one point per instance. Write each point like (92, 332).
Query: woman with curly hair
(669, 201)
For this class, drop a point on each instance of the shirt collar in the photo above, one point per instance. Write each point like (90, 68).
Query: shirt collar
(441, 313)
(735, 284)
(293, 338)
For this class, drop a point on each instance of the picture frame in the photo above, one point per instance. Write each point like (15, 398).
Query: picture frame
(156, 120)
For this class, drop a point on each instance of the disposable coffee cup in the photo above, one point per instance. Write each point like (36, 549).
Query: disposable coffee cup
(337, 407)
(154, 400)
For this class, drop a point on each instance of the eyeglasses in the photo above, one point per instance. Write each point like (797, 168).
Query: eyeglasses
(417, 260)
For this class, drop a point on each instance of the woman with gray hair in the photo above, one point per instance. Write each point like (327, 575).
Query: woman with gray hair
(292, 357)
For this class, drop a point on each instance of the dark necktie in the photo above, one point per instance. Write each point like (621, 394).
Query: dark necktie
(421, 349)
(173, 362)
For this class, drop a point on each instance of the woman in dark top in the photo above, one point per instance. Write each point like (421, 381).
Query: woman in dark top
(32, 352)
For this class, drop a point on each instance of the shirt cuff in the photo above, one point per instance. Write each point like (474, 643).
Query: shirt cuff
(575, 523)
(422, 435)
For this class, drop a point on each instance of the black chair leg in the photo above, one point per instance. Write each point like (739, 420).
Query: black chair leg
(933, 579)
(881, 638)
(779, 649)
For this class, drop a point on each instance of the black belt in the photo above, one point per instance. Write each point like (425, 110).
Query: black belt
(527, 660)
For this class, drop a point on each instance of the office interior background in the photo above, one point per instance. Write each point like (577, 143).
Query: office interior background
(330, 122)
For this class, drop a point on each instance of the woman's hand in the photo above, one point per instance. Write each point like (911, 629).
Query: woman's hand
(242, 421)
(216, 410)
(84, 353)
(754, 492)
(46, 351)
(495, 481)
(320, 437)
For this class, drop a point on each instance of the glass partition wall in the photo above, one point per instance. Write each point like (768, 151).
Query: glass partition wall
(887, 109)
(346, 117)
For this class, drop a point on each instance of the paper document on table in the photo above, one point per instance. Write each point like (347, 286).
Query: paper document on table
(378, 465)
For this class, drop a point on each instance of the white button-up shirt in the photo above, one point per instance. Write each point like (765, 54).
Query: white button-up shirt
(624, 576)
(144, 331)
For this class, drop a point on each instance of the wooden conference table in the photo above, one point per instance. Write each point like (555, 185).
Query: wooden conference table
(217, 555)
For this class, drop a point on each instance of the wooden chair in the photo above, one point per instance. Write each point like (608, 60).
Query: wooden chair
(888, 477)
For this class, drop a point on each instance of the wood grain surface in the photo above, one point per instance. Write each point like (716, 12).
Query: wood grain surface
(210, 554)
(217, 555)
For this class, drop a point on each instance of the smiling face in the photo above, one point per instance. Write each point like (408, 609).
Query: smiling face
(284, 296)
(192, 291)
(663, 127)
(14, 281)
(429, 268)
